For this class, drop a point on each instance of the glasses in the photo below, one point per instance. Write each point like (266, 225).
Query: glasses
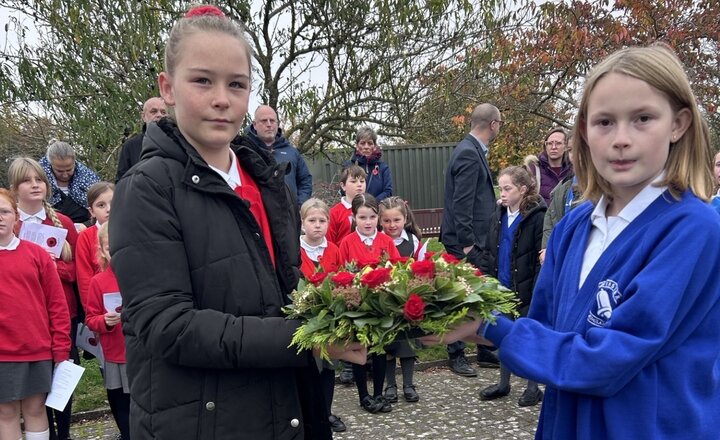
(554, 143)
(499, 122)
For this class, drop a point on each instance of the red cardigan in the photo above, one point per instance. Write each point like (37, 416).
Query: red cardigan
(329, 261)
(34, 318)
(352, 249)
(111, 338)
(66, 269)
(86, 261)
(340, 223)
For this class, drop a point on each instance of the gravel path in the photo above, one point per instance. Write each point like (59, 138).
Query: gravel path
(449, 409)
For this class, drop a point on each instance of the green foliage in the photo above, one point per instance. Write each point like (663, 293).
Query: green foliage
(90, 393)
(373, 306)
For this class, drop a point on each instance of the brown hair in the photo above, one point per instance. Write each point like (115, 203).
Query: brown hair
(20, 168)
(520, 177)
(363, 200)
(688, 164)
(401, 205)
(354, 171)
(204, 22)
(98, 189)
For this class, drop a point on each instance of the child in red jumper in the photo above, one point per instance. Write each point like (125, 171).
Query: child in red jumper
(318, 254)
(99, 198)
(365, 246)
(30, 185)
(352, 182)
(34, 328)
(107, 324)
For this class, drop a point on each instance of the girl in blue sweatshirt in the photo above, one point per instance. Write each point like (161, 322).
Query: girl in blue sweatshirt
(623, 325)
(512, 255)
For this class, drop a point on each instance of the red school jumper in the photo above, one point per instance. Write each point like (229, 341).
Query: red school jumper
(340, 223)
(329, 261)
(34, 318)
(66, 269)
(86, 261)
(111, 338)
(353, 249)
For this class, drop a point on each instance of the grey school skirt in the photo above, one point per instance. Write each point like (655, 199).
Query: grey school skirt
(116, 377)
(19, 380)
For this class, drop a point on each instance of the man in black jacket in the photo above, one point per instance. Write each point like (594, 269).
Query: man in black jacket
(469, 204)
(153, 109)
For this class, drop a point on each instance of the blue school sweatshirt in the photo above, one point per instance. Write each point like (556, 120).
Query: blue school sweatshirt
(635, 352)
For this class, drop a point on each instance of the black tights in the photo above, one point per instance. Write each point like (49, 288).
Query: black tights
(378, 373)
(120, 407)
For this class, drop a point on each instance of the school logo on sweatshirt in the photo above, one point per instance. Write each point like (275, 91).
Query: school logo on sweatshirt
(606, 299)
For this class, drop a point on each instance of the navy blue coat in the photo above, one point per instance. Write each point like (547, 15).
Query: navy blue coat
(298, 177)
(379, 178)
(469, 199)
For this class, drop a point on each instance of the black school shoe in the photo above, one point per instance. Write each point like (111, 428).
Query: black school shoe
(346, 375)
(410, 394)
(530, 398)
(459, 365)
(494, 392)
(370, 405)
(385, 407)
(486, 358)
(336, 425)
(391, 394)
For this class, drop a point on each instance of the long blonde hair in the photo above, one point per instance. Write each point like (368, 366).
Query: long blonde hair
(103, 236)
(20, 169)
(689, 162)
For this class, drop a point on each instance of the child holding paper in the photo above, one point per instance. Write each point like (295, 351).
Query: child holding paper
(30, 184)
(34, 328)
(101, 293)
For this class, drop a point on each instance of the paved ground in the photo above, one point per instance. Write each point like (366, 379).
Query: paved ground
(449, 409)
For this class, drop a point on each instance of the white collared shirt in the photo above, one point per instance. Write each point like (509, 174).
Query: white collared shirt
(232, 177)
(345, 203)
(314, 252)
(511, 216)
(404, 236)
(14, 243)
(368, 241)
(482, 144)
(607, 228)
(38, 217)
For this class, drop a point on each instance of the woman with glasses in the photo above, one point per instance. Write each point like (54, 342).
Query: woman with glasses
(69, 181)
(553, 165)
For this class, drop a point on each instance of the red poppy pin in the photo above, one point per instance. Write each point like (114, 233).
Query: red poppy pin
(376, 170)
(51, 242)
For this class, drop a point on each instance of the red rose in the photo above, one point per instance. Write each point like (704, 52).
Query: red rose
(343, 279)
(395, 260)
(478, 273)
(375, 277)
(424, 269)
(429, 255)
(317, 278)
(414, 309)
(365, 262)
(449, 258)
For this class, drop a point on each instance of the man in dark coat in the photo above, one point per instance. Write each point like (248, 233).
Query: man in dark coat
(207, 341)
(266, 132)
(468, 206)
(153, 109)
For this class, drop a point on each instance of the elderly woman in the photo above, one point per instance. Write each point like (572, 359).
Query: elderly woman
(367, 155)
(69, 181)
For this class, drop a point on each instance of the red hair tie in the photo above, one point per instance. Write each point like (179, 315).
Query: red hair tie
(200, 11)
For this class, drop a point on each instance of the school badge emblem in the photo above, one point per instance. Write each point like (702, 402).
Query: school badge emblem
(606, 299)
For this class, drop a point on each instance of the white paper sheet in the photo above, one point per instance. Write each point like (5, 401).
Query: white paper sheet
(49, 237)
(88, 341)
(112, 302)
(65, 379)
